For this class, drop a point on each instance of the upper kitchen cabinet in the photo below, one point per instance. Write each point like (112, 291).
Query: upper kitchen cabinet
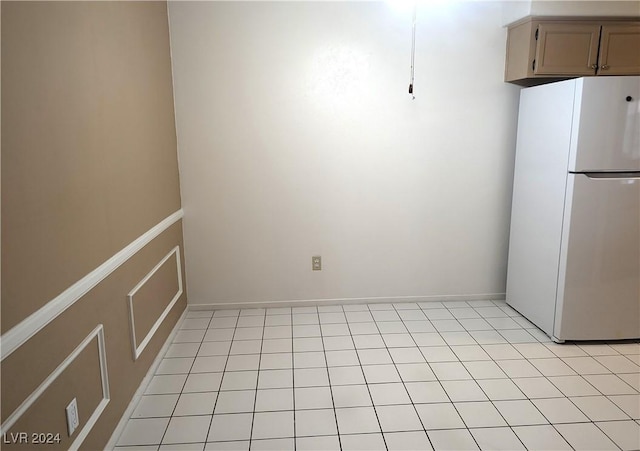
(620, 49)
(566, 49)
(543, 49)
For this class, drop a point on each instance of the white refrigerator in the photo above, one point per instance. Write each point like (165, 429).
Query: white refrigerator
(574, 250)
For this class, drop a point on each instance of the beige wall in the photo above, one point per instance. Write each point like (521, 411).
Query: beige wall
(585, 8)
(521, 8)
(89, 164)
(297, 137)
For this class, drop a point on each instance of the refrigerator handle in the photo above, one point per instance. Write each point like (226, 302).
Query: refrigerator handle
(634, 175)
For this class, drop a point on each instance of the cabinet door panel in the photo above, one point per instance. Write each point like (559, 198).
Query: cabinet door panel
(620, 49)
(567, 49)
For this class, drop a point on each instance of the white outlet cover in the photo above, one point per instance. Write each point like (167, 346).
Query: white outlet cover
(73, 420)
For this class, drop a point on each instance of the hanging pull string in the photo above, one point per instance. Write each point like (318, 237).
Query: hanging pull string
(413, 50)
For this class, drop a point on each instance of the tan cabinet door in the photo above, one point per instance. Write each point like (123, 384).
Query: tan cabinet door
(620, 49)
(567, 49)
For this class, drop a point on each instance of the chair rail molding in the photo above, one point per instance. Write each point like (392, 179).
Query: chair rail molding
(23, 331)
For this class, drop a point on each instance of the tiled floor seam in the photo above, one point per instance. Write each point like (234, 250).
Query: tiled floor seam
(404, 383)
(185, 383)
(367, 385)
(215, 404)
(510, 427)
(255, 397)
(448, 396)
(293, 382)
(413, 404)
(326, 364)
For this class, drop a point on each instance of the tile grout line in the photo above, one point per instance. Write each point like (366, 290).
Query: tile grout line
(184, 384)
(512, 380)
(459, 361)
(375, 411)
(480, 387)
(546, 377)
(221, 377)
(255, 396)
(326, 364)
(293, 381)
(531, 400)
(413, 404)
(474, 379)
(527, 398)
(437, 379)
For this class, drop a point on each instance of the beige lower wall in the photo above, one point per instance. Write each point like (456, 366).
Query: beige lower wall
(81, 380)
(107, 304)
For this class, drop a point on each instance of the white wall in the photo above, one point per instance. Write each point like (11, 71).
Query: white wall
(297, 137)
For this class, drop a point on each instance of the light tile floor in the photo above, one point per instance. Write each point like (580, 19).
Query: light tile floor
(455, 375)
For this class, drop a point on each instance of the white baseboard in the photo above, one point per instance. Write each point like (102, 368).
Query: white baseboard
(143, 385)
(372, 300)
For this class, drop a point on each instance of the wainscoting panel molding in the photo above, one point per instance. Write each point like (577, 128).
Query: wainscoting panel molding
(19, 334)
(33, 397)
(137, 349)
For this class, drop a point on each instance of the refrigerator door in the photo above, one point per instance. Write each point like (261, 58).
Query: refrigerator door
(605, 135)
(539, 187)
(599, 282)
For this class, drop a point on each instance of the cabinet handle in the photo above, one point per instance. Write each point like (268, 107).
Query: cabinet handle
(604, 67)
(593, 66)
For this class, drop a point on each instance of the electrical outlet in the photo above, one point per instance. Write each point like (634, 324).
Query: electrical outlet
(316, 263)
(73, 420)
